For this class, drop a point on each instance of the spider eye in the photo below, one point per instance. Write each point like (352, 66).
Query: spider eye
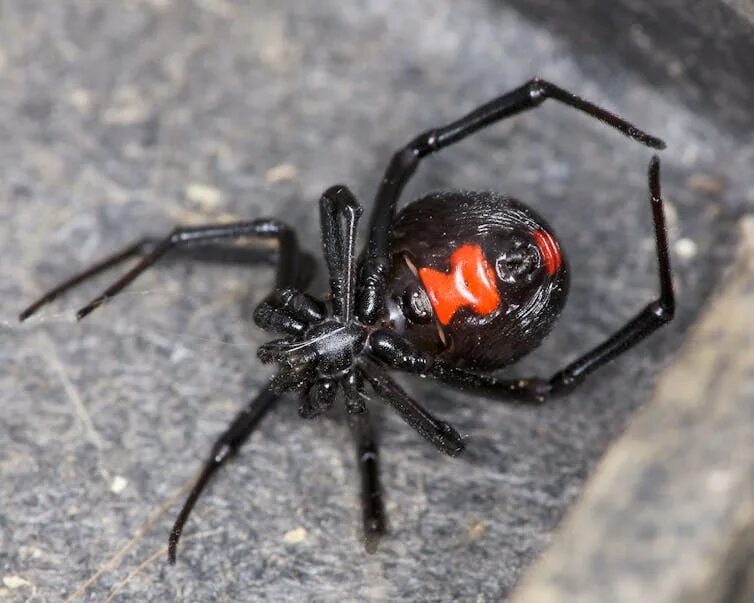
(518, 264)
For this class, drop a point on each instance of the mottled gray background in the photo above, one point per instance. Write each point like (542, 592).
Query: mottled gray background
(124, 118)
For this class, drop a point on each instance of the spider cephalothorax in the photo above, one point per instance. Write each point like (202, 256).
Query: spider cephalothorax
(319, 354)
(457, 282)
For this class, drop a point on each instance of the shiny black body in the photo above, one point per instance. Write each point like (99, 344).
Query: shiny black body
(427, 232)
(385, 313)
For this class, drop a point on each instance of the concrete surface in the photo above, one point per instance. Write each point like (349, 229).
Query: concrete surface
(124, 118)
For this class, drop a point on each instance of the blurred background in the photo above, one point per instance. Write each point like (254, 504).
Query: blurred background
(124, 118)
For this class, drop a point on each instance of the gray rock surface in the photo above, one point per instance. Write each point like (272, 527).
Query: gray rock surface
(701, 51)
(119, 119)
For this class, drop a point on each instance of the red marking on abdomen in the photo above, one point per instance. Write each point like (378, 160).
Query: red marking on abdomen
(548, 248)
(470, 282)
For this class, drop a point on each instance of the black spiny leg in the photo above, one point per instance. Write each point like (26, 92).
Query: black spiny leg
(371, 492)
(288, 310)
(284, 304)
(226, 445)
(151, 250)
(400, 354)
(405, 162)
(139, 248)
(439, 433)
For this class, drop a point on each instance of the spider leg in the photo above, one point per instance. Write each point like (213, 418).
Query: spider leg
(656, 314)
(405, 162)
(226, 445)
(210, 253)
(298, 305)
(339, 216)
(139, 248)
(319, 398)
(151, 250)
(399, 354)
(367, 456)
(439, 433)
(288, 311)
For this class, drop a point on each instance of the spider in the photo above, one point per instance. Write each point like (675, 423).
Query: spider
(454, 286)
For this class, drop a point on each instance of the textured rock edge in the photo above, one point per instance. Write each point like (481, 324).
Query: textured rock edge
(668, 515)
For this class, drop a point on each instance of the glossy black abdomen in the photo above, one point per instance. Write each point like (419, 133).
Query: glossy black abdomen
(478, 278)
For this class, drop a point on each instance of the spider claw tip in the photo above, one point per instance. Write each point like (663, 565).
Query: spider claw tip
(85, 311)
(172, 545)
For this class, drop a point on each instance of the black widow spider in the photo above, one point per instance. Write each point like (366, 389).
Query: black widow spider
(456, 284)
